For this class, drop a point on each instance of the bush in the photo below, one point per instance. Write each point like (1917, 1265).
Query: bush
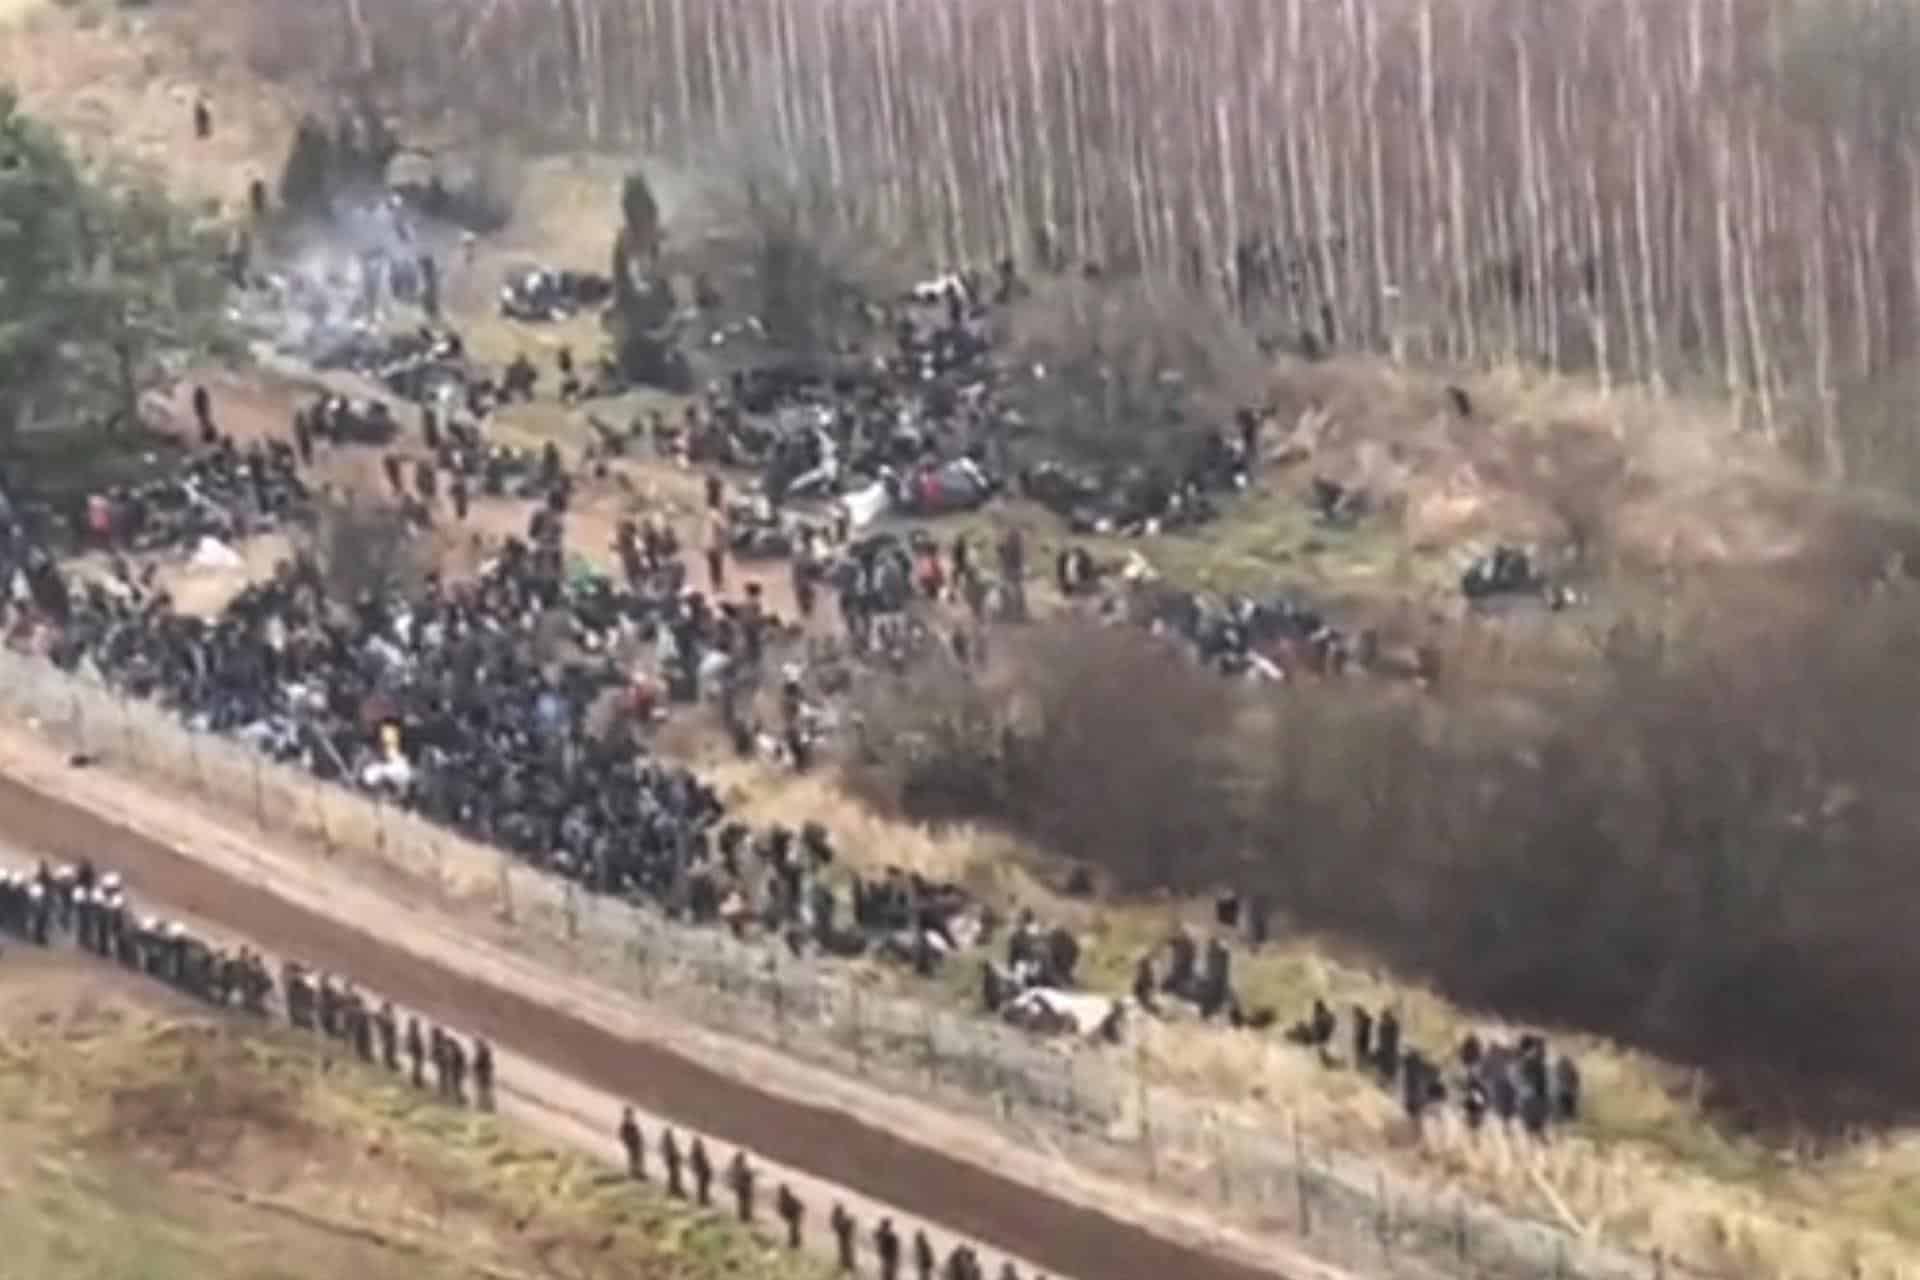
(1091, 739)
(366, 549)
(1701, 850)
(805, 267)
(1129, 373)
(934, 747)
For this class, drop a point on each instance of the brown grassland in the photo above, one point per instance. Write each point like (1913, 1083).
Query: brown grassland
(145, 1139)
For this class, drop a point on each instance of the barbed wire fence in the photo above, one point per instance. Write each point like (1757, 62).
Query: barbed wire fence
(1093, 1106)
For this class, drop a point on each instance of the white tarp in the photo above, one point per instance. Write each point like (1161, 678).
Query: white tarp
(864, 506)
(215, 554)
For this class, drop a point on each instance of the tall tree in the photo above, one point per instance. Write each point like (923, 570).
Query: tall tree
(43, 214)
(640, 215)
(153, 292)
(101, 282)
(307, 179)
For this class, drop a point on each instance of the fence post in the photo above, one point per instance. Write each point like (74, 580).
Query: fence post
(126, 727)
(259, 799)
(1300, 1173)
(193, 758)
(779, 993)
(506, 889)
(857, 1017)
(1073, 1093)
(320, 818)
(1141, 1097)
(1383, 1220)
(572, 913)
(1220, 1154)
(79, 725)
(1460, 1228)
(933, 1057)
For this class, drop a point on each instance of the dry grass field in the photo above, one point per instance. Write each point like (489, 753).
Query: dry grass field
(143, 1140)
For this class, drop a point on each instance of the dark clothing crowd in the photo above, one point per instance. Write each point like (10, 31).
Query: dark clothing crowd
(90, 909)
(1519, 1082)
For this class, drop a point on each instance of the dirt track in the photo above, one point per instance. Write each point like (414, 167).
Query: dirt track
(1060, 1236)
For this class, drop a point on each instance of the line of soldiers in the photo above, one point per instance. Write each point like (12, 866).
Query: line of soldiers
(318, 1002)
(91, 908)
(889, 1249)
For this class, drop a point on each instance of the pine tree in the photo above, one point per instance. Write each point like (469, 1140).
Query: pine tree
(641, 216)
(308, 176)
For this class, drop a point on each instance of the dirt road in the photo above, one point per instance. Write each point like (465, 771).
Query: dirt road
(567, 1112)
(830, 1144)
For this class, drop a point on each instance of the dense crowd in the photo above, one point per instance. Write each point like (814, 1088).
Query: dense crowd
(516, 705)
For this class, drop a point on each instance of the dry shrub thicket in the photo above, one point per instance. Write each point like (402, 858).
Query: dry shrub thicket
(1678, 192)
(363, 549)
(1131, 375)
(1703, 850)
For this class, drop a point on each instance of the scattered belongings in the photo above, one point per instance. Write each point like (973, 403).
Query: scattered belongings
(547, 294)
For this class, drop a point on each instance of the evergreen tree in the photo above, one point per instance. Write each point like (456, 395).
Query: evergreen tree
(99, 284)
(307, 179)
(641, 218)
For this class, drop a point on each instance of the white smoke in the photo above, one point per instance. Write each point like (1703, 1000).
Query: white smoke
(334, 282)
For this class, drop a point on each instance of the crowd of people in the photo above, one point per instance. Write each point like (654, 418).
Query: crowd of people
(515, 705)
(1519, 1081)
(86, 907)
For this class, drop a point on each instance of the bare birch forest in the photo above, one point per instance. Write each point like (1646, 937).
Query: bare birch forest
(1697, 195)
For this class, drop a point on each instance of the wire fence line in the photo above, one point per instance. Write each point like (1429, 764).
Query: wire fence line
(1096, 1107)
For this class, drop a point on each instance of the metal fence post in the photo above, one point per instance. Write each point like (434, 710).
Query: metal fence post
(320, 819)
(259, 799)
(1300, 1173)
(933, 1057)
(1141, 1102)
(855, 1016)
(643, 961)
(1220, 1154)
(779, 995)
(1383, 1216)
